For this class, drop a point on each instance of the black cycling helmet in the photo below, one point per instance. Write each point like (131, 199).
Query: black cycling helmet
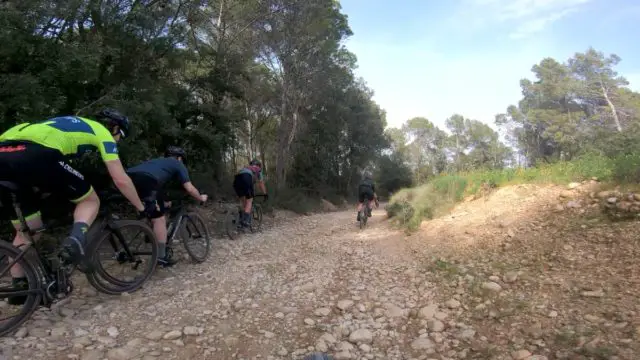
(176, 151)
(112, 118)
(256, 162)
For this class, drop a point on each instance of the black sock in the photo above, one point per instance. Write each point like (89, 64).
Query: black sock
(79, 231)
(162, 250)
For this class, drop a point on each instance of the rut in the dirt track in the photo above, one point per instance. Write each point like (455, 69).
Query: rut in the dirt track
(302, 284)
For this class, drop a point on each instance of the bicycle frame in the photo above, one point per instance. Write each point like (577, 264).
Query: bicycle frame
(173, 225)
(51, 273)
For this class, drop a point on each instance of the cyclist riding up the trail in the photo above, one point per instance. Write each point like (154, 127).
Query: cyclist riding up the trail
(243, 186)
(150, 177)
(36, 155)
(366, 191)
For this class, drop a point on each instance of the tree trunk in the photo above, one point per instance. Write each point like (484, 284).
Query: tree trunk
(612, 107)
(281, 153)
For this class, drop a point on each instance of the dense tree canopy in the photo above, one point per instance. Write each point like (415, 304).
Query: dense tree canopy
(231, 80)
(575, 107)
(228, 80)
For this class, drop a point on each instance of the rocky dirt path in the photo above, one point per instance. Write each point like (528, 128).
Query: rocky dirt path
(314, 283)
(526, 273)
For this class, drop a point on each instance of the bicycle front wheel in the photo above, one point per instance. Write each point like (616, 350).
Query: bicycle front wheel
(125, 246)
(196, 237)
(12, 316)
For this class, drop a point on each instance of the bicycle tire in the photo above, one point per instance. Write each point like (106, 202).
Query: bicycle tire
(231, 224)
(111, 285)
(33, 300)
(194, 218)
(256, 214)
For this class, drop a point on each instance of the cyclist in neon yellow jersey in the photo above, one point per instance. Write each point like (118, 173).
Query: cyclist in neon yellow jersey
(36, 154)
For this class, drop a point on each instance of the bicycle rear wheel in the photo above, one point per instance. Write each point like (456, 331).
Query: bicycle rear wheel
(363, 219)
(12, 316)
(256, 221)
(135, 254)
(196, 237)
(231, 223)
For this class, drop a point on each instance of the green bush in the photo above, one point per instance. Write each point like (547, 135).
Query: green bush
(627, 168)
(442, 192)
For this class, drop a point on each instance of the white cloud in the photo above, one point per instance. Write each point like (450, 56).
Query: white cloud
(526, 17)
(520, 9)
(538, 24)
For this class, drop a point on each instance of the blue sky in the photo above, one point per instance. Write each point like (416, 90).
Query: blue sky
(434, 58)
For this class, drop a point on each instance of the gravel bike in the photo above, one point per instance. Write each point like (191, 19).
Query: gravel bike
(48, 276)
(233, 223)
(363, 215)
(188, 227)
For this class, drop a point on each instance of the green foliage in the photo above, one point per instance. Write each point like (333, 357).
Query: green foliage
(573, 108)
(392, 175)
(627, 168)
(411, 206)
(450, 186)
(227, 80)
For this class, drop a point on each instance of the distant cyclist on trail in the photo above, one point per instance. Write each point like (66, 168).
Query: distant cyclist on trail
(366, 191)
(150, 178)
(243, 186)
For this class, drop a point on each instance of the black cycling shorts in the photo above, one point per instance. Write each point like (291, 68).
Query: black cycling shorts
(32, 165)
(243, 185)
(365, 193)
(150, 192)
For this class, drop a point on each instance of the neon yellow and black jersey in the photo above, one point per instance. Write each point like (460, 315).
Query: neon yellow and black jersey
(71, 135)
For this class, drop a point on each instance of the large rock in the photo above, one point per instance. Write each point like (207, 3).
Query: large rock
(422, 343)
(394, 311)
(361, 336)
(328, 207)
(567, 194)
(428, 312)
(620, 207)
(520, 355)
(573, 185)
(492, 286)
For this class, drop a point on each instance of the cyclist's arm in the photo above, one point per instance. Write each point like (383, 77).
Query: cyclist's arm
(261, 183)
(183, 175)
(188, 186)
(123, 183)
(103, 140)
(262, 186)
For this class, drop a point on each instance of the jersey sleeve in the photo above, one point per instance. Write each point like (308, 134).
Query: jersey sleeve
(183, 173)
(105, 143)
